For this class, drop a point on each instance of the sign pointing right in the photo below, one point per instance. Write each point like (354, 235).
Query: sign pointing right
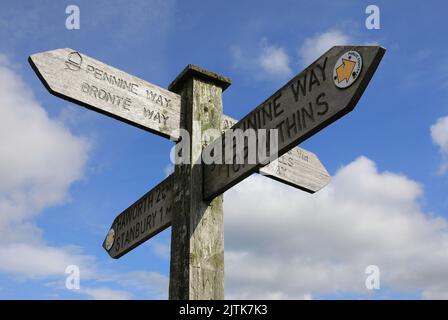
(318, 96)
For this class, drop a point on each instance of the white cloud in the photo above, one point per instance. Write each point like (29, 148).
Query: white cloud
(162, 249)
(150, 283)
(105, 294)
(263, 61)
(36, 261)
(107, 284)
(281, 242)
(39, 157)
(237, 55)
(39, 160)
(275, 62)
(435, 294)
(439, 134)
(315, 46)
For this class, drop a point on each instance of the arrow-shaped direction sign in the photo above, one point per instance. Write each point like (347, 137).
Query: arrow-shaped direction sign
(148, 216)
(298, 167)
(315, 98)
(75, 77)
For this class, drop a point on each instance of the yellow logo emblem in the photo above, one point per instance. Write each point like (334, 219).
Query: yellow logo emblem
(347, 69)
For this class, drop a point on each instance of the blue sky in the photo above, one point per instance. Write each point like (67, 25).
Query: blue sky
(67, 171)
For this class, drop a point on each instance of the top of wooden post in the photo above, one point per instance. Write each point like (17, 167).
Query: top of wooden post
(194, 71)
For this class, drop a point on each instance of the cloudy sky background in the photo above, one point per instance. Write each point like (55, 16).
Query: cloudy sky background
(66, 172)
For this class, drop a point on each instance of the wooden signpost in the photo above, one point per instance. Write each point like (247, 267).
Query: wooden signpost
(190, 200)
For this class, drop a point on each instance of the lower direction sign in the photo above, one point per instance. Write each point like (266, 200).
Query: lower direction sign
(148, 216)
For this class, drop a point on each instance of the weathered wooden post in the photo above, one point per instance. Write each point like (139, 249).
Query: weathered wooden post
(197, 236)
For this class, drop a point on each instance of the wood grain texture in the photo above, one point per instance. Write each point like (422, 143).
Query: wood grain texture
(197, 236)
(298, 167)
(302, 107)
(78, 78)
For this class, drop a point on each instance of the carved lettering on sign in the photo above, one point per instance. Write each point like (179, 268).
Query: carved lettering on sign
(102, 94)
(146, 217)
(157, 98)
(112, 79)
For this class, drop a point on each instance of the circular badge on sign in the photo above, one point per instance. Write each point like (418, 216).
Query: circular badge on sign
(110, 239)
(74, 61)
(347, 69)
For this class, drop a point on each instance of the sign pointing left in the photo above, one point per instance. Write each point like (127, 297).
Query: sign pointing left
(75, 77)
(148, 216)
